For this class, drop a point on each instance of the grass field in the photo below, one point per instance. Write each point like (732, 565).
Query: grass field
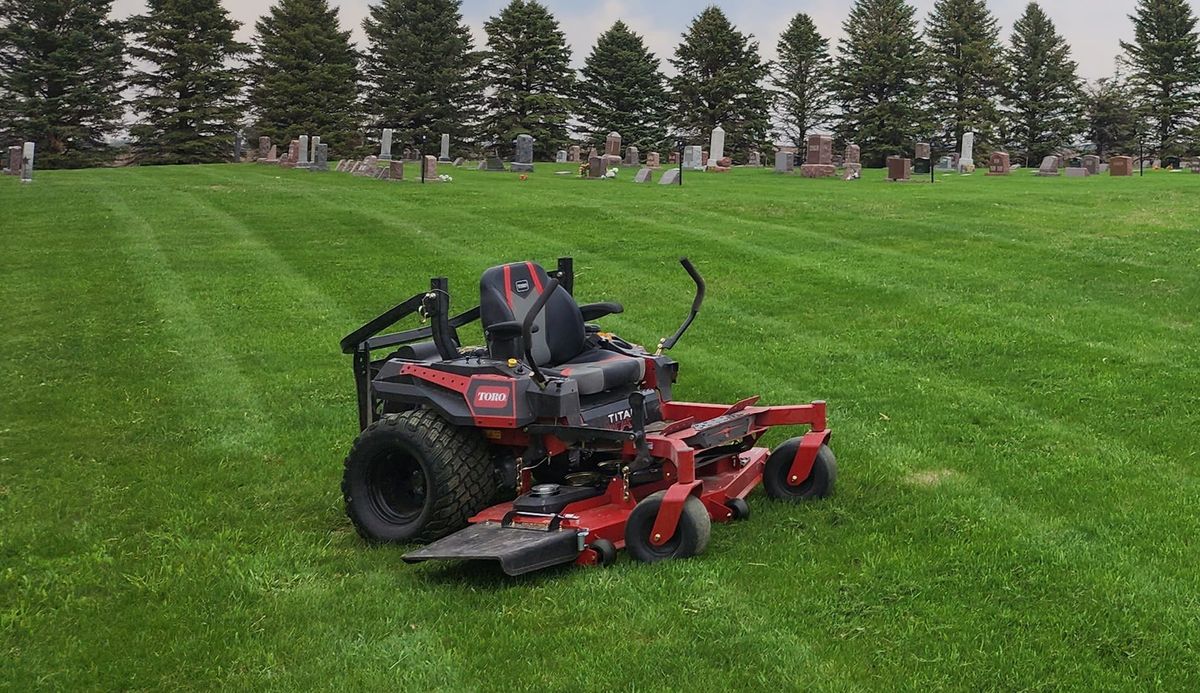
(1011, 366)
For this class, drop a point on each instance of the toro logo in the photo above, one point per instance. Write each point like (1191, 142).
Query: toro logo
(491, 397)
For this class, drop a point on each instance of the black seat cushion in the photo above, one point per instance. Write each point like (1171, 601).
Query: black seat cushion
(597, 370)
(507, 292)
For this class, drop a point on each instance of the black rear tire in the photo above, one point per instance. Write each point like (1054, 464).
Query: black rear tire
(820, 481)
(413, 477)
(691, 535)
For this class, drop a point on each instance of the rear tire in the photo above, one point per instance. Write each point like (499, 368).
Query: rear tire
(690, 538)
(413, 477)
(819, 484)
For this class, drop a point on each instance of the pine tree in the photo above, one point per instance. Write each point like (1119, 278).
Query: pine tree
(1043, 95)
(878, 80)
(188, 98)
(1165, 57)
(527, 66)
(622, 90)
(1112, 116)
(62, 67)
(422, 72)
(803, 78)
(720, 82)
(966, 69)
(304, 75)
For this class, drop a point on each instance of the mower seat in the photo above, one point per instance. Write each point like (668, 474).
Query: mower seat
(560, 343)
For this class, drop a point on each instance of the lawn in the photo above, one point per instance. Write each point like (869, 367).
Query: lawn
(1011, 366)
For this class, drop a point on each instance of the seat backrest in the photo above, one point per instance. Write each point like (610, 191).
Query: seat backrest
(507, 293)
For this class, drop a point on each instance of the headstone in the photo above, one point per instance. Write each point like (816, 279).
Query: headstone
(693, 158)
(493, 163)
(921, 151)
(293, 156)
(853, 154)
(385, 145)
(716, 145)
(899, 169)
(303, 160)
(396, 170)
(14, 161)
(1049, 166)
(785, 162)
(523, 162)
(1077, 172)
(921, 167)
(430, 171)
(1092, 163)
(238, 147)
(653, 160)
(755, 159)
(704, 159)
(632, 157)
(947, 163)
(264, 147)
(561, 157)
(27, 163)
(819, 161)
(316, 142)
(612, 145)
(444, 157)
(1120, 166)
(669, 177)
(273, 155)
(1194, 165)
(1172, 163)
(643, 176)
(673, 158)
(406, 155)
(459, 162)
(573, 154)
(966, 159)
(999, 164)
(321, 162)
(597, 167)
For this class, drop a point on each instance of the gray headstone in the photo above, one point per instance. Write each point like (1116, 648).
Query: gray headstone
(612, 145)
(643, 176)
(493, 163)
(445, 154)
(459, 162)
(523, 162)
(632, 156)
(573, 154)
(755, 159)
(1049, 166)
(967, 156)
(27, 163)
(321, 161)
(314, 143)
(561, 157)
(14, 161)
(597, 166)
(264, 147)
(385, 145)
(693, 158)
(785, 162)
(238, 147)
(303, 159)
(482, 166)
(716, 146)
(1077, 172)
(669, 177)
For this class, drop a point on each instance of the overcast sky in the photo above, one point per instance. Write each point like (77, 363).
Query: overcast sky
(1092, 27)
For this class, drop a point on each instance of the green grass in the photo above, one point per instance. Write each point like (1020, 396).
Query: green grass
(1011, 366)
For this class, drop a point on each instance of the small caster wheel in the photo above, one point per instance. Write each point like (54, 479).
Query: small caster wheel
(820, 481)
(606, 553)
(690, 538)
(739, 507)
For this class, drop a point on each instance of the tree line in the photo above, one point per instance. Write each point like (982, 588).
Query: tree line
(70, 75)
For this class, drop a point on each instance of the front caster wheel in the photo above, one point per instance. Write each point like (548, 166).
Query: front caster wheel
(820, 481)
(690, 538)
(739, 507)
(606, 553)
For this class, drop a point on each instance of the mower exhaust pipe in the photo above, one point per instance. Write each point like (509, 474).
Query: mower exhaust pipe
(669, 343)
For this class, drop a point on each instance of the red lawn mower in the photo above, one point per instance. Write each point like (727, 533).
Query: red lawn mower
(557, 442)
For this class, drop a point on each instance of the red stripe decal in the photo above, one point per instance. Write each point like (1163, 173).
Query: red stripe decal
(508, 285)
(537, 283)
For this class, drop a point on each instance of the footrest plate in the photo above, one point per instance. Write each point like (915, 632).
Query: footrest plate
(518, 550)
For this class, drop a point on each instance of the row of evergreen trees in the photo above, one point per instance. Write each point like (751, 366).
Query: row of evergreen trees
(65, 66)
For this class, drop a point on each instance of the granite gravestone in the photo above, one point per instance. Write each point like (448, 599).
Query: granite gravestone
(966, 159)
(1077, 172)
(14, 161)
(315, 143)
(302, 161)
(573, 154)
(899, 169)
(999, 164)
(785, 162)
(444, 157)
(396, 170)
(669, 177)
(321, 162)
(693, 158)
(264, 147)
(653, 160)
(523, 162)
(597, 166)
(1092, 163)
(561, 157)
(1173, 163)
(632, 156)
(716, 145)
(385, 145)
(1120, 166)
(1049, 166)
(431, 171)
(493, 164)
(819, 161)
(27, 163)
(853, 162)
(643, 176)
(755, 159)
